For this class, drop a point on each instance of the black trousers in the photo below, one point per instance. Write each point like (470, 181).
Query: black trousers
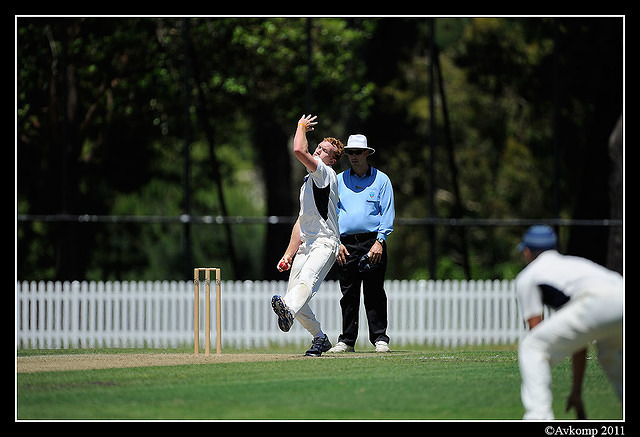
(375, 298)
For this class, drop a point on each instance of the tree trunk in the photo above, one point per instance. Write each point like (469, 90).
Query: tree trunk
(272, 146)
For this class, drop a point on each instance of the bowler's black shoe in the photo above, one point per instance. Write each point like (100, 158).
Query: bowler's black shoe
(319, 345)
(285, 318)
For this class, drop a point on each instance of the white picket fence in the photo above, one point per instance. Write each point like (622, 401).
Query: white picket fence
(60, 315)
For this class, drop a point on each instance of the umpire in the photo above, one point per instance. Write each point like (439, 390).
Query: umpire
(365, 217)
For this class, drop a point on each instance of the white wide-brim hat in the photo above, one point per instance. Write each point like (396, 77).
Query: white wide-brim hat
(359, 142)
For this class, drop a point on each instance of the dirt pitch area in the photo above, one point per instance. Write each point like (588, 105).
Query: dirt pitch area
(55, 363)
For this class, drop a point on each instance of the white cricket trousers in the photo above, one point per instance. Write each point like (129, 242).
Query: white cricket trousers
(593, 315)
(311, 264)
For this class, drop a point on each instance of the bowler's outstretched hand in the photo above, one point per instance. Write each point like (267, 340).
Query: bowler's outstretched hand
(308, 122)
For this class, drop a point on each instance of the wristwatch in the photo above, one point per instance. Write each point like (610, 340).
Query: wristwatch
(380, 240)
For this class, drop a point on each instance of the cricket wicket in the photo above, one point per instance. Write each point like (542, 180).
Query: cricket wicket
(207, 310)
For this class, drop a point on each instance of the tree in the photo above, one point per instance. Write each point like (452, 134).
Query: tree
(122, 101)
(101, 122)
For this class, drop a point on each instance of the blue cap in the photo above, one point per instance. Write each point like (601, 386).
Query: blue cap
(538, 237)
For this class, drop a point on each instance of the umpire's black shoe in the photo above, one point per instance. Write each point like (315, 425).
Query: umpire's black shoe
(319, 345)
(285, 318)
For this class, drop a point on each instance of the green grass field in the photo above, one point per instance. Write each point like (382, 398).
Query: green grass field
(411, 384)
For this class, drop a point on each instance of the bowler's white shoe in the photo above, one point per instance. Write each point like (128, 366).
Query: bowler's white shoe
(340, 347)
(382, 346)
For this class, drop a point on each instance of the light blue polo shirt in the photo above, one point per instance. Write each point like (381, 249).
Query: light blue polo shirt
(366, 204)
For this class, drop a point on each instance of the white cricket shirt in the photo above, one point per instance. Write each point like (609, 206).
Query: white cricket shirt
(318, 215)
(554, 279)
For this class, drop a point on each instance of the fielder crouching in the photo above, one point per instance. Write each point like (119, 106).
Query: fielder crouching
(588, 300)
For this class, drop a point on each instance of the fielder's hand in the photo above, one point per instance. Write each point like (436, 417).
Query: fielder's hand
(575, 401)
